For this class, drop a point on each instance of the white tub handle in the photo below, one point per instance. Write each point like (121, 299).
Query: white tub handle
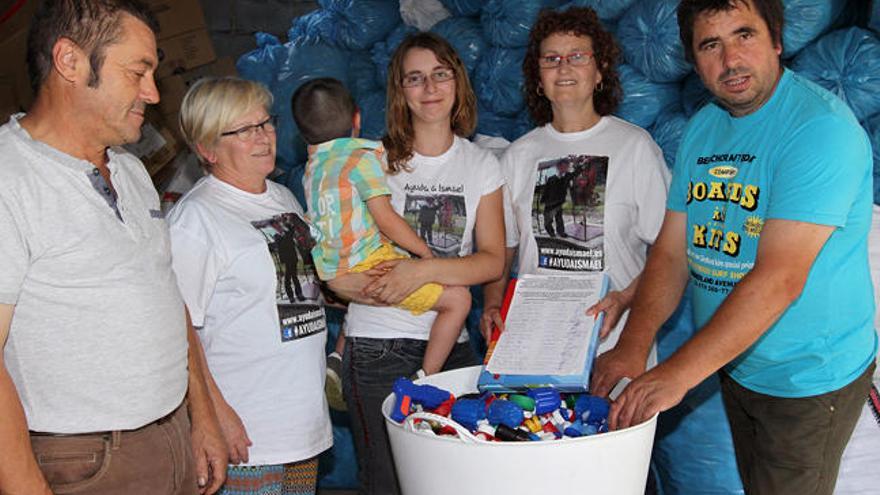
(463, 433)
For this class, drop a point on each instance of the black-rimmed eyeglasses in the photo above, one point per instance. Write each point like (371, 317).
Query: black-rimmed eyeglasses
(247, 132)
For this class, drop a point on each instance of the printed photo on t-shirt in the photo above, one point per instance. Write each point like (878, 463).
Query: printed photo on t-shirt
(297, 290)
(439, 220)
(568, 212)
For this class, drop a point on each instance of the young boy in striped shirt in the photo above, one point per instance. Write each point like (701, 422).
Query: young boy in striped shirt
(350, 212)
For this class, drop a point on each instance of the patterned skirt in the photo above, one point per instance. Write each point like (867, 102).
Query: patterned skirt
(295, 478)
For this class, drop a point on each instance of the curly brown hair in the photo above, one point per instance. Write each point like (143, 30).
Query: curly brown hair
(398, 121)
(579, 21)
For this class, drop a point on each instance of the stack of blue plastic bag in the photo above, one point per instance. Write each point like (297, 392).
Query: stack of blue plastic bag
(499, 81)
(372, 107)
(507, 22)
(318, 26)
(466, 36)
(608, 11)
(329, 42)
(667, 132)
(847, 63)
(806, 20)
(693, 94)
(383, 50)
(509, 128)
(261, 64)
(361, 23)
(643, 99)
(362, 74)
(648, 36)
(463, 8)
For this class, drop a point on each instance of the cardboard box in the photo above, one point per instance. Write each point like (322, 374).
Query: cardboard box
(19, 16)
(172, 123)
(158, 144)
(174, 16)
(173, 88)
(184, 52)
(177, 16)
(183, 43)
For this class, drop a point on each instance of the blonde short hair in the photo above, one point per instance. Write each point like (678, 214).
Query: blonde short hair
(213, 103)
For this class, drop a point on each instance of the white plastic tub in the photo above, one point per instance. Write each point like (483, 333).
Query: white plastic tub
(614, 463)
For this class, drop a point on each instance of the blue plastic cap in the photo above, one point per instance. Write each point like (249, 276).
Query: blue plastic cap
(595, 407)
(468, 411)
(546, 399)
(506, 413)
(573, 432)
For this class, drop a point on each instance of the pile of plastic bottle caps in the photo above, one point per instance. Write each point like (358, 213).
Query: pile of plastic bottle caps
(538, 414)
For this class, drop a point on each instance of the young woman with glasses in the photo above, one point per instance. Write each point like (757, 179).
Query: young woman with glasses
(439, 181)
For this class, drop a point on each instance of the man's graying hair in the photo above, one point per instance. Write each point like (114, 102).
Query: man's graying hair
(91, 24)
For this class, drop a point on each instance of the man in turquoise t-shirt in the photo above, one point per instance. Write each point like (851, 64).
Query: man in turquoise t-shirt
(767, 219)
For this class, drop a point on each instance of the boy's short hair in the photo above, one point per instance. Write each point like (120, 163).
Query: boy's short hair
(323, 110)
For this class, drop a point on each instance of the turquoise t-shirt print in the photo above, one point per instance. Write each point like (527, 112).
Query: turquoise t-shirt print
(726, 214)
(719, 188)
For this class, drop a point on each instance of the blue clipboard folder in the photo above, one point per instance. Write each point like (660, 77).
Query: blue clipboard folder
(579, 382)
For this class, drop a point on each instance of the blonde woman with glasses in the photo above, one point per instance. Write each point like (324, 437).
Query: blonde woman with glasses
(241, 253)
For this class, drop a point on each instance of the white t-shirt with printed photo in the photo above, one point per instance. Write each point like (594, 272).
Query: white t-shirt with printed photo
(439, 199)
(585, 201)
(243, 264)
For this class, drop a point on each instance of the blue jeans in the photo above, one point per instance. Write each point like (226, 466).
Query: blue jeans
(369, 367)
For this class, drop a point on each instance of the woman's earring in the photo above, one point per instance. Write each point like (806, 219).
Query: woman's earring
(539, 90)
(601, 86)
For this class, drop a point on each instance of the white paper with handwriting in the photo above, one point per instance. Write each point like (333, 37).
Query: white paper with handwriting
(546, 331)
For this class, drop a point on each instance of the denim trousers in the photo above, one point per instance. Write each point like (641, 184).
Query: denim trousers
(155, 459)
(792, 446)
(369, 367)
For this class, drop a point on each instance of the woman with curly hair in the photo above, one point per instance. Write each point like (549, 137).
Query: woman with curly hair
(587, 190)
(432, 166)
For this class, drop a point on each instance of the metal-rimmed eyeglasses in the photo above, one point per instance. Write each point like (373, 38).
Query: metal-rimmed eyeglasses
(414, 79)
(574, 59)
(248, 132)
